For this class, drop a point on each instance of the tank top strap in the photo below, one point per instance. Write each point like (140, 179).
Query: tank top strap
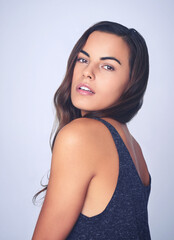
(120, 145)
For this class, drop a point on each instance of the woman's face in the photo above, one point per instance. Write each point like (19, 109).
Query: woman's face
(101, 72)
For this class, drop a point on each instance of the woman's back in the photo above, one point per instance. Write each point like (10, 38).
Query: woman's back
(117, 196)
(102, 186)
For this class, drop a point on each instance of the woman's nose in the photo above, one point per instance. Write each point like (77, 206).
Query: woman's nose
(88, 73)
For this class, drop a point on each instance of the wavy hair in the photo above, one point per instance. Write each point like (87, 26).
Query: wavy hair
(129, 102)
(132, 98)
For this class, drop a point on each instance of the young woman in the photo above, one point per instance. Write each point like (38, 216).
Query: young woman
(99, 183)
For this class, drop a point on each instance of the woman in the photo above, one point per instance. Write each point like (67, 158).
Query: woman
(99, 183)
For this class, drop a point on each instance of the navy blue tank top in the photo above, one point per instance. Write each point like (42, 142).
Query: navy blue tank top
(126, 216)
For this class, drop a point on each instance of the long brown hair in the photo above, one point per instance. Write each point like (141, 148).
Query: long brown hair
(130, 101)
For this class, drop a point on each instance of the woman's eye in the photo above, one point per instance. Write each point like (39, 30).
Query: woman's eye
(81, 60)
(108, 67)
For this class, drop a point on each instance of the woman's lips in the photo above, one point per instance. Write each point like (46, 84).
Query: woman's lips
(84, 89)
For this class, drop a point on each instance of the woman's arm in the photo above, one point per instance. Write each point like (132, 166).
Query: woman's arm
(72, 169)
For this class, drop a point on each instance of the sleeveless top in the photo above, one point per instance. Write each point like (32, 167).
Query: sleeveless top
(125, 217)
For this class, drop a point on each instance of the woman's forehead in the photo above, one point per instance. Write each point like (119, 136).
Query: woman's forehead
(103, 44)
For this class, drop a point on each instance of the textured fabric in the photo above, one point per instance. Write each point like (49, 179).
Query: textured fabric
(126, 216)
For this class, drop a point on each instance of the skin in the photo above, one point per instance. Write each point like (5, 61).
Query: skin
(107, 78)
(85, 162)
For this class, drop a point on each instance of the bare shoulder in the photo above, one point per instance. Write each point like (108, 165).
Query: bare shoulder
(84, 138)
(83, 124)
(79, 142)
(80, 131)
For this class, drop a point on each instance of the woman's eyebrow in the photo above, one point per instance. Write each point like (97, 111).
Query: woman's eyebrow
(102, 58)
(87, 54)
(110, 58)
